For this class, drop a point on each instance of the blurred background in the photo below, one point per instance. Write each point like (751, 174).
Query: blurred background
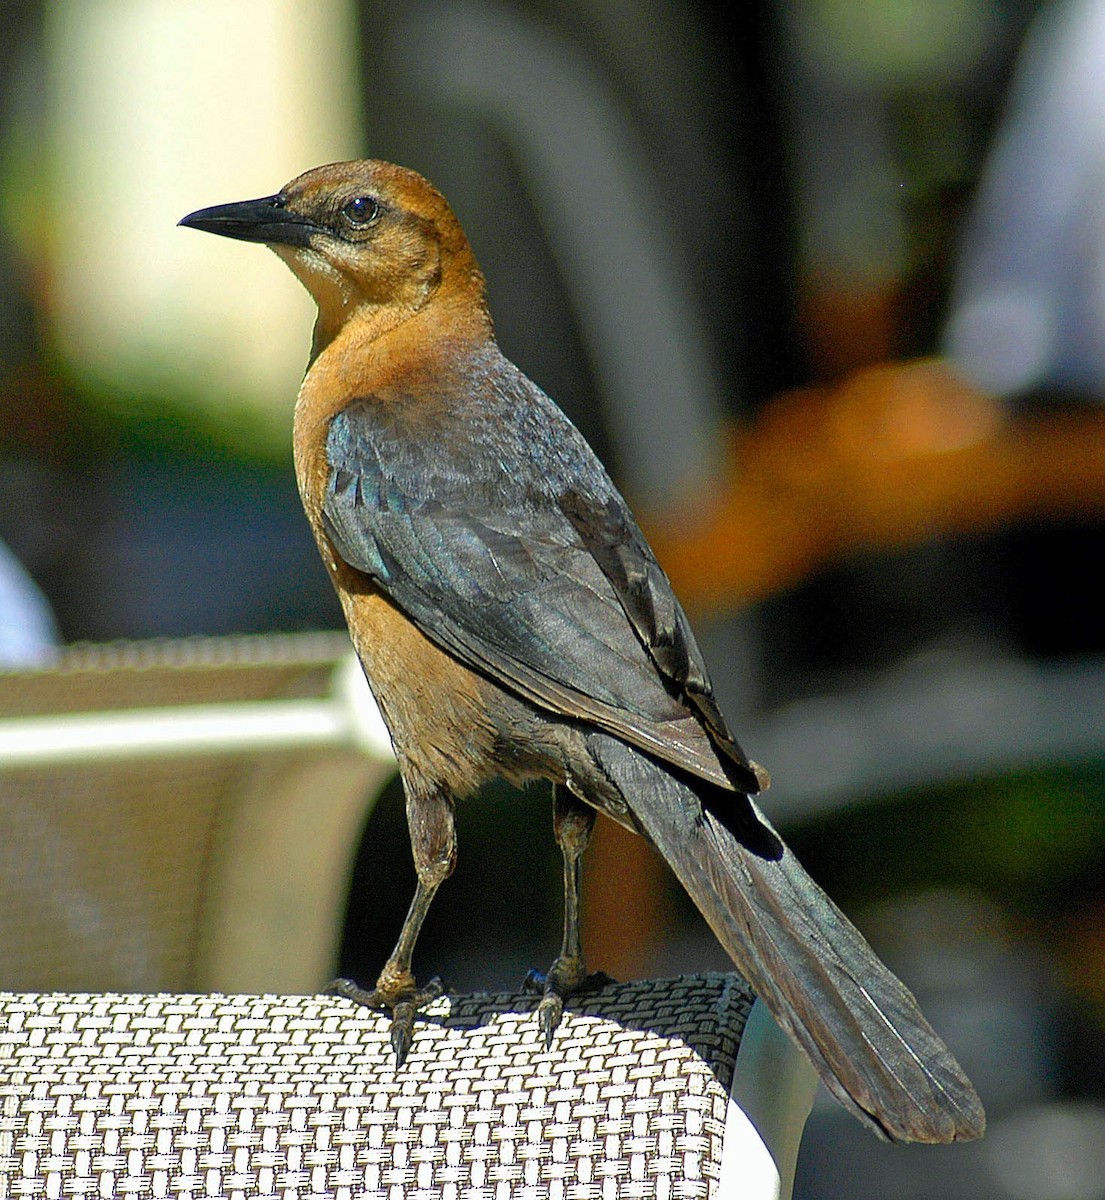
(823, 281)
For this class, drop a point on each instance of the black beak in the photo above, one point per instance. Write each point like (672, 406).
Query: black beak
(265, 220)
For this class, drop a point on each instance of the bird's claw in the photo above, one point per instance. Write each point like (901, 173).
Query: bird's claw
(550, 1012)
(404, 1005)
(402, 1030)
(566, 977)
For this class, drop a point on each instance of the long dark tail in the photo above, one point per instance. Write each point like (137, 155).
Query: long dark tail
(823, 983)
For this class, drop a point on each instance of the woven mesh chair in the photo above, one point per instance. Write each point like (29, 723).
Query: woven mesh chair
(151, 800)
(249, 1096)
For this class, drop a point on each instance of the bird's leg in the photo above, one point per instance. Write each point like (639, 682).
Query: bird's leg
(573, 821)
(433, 842)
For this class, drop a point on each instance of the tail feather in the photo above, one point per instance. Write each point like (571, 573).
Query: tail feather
(857, 1022)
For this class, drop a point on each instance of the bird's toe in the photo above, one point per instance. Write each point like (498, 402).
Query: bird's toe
(403, 1003)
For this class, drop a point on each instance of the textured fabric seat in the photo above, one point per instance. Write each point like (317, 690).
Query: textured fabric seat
(250, 1096)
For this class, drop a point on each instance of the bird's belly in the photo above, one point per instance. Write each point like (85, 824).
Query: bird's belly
(437, 711)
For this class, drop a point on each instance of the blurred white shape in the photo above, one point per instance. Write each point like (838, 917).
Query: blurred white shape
(366, 723)
(1029, 304)
(347, 716)
(27, 630)
(159, 107)
(1004, 335)
(771, 1097)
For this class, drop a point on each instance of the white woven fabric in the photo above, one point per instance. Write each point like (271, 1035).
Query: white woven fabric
(296, 1097)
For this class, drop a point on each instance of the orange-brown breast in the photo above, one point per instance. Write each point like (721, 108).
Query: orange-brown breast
(436, 709)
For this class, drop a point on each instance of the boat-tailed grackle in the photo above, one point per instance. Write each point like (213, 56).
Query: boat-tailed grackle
(512, 621)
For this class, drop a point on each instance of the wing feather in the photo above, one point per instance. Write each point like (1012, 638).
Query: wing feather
(546, 589)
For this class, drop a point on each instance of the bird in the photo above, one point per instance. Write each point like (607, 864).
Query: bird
(513, 622)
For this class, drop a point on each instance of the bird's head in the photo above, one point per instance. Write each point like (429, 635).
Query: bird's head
(365, 238)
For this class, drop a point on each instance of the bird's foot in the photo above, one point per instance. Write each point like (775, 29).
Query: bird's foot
(566, 977)
(400, 997)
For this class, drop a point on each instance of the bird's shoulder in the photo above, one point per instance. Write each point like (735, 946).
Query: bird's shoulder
(471, 423)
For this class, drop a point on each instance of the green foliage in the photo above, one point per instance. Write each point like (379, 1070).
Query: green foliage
(1021, 837)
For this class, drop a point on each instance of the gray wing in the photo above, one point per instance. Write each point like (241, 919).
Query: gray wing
(549, 591)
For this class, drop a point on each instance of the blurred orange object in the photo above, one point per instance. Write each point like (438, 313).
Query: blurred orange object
(890, 457)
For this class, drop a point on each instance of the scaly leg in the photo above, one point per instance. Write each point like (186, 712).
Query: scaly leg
(434, 845)
(573, 821)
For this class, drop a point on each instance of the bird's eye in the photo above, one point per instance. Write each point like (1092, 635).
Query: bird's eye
(362, 210)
